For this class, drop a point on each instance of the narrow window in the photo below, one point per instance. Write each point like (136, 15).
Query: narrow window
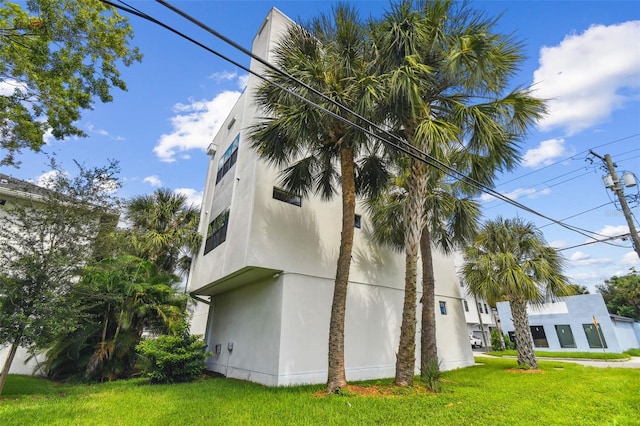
(594, 336)
(565, 336)
(539, 336)
(466, 306)
(443, 308)
(486, 309)
(287, 197)
(217, 231)
(228, 159)
(479, 307)
(358, 221)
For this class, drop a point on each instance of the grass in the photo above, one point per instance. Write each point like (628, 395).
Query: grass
(633, 352)
(493, 392)
(576, 355)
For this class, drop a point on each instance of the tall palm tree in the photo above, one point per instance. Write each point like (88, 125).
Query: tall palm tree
(436, 60)
(451, 222)
(317, 151)
(510, 260)
(164, 229)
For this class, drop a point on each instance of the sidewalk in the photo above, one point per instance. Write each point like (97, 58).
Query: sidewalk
(634, 362)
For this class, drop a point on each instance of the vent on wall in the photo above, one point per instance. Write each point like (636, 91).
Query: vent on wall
(231, 123)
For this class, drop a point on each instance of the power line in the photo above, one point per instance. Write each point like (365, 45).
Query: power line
(604, 240)
(398, 143)
(578, 214)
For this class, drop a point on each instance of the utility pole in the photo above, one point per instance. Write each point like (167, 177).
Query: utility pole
(619, 191)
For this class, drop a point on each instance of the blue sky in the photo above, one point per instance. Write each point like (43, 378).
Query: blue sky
(584, 55)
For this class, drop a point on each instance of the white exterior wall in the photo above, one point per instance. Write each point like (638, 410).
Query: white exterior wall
(271, 281)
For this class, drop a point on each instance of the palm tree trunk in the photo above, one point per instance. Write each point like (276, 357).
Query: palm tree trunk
(524, 342)
(336, 376)
(7, 365)
(428, 346)
(414, 220)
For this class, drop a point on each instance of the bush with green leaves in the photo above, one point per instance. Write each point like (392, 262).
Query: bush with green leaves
(173, 359)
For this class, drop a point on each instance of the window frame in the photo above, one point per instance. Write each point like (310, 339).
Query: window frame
(286, 197)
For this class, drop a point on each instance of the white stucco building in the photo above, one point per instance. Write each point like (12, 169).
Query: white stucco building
(268, 264)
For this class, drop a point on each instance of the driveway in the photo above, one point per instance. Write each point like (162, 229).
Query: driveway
(634, 362)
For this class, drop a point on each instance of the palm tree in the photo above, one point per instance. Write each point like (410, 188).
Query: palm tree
(119, 299)
(164, 229)
(510, 260)
(436, 60)
(451, 222)
(318, 151)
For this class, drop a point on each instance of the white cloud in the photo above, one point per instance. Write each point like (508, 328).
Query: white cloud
(558, 244)
(100, 132)
(243, 80)
(47, 179)
(193, 196)
(611, 230)
(153, 180)
(518, 193)
(630, 259)
(545, 153)
(219, 77)
(583, 259)
(7, 87)
(195, 125)
(589, 75)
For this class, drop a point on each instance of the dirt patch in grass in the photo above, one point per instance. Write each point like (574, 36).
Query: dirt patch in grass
(524, 371)
(378, 391)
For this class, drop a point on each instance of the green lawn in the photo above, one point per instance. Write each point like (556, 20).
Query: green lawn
(493, 393)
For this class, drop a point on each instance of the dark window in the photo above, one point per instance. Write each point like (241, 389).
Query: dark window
(486, 309)
(287, 197)
(3, 202)
(594, 336)
(443, 308)
(565, 336)
(216, 232)
(466, 306)
(228, 159)
(358, 221)
(479, 307)
(539, 336)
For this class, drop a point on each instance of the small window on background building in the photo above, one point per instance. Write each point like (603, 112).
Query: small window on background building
(358, 221)
(594, 336)
(539, 336)
(466, 306)
(287, 197)
(443, 308)
(479, 307)
(486, 309)
(565, 336)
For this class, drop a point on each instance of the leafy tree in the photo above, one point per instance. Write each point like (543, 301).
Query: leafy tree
(509, 260)
(443, 70)
(320, 153)
(120, 299)
(163, 229)
(47, 236)
(56, 58)
(451, 222)
(622, 294)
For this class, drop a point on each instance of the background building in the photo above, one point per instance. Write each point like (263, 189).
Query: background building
(576, 324)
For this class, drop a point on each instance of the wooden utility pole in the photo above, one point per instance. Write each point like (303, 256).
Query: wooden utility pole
(619, 191)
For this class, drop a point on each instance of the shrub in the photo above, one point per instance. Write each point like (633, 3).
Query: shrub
(496, 345)
(432, 375)
(508, 343)
(173, 359)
